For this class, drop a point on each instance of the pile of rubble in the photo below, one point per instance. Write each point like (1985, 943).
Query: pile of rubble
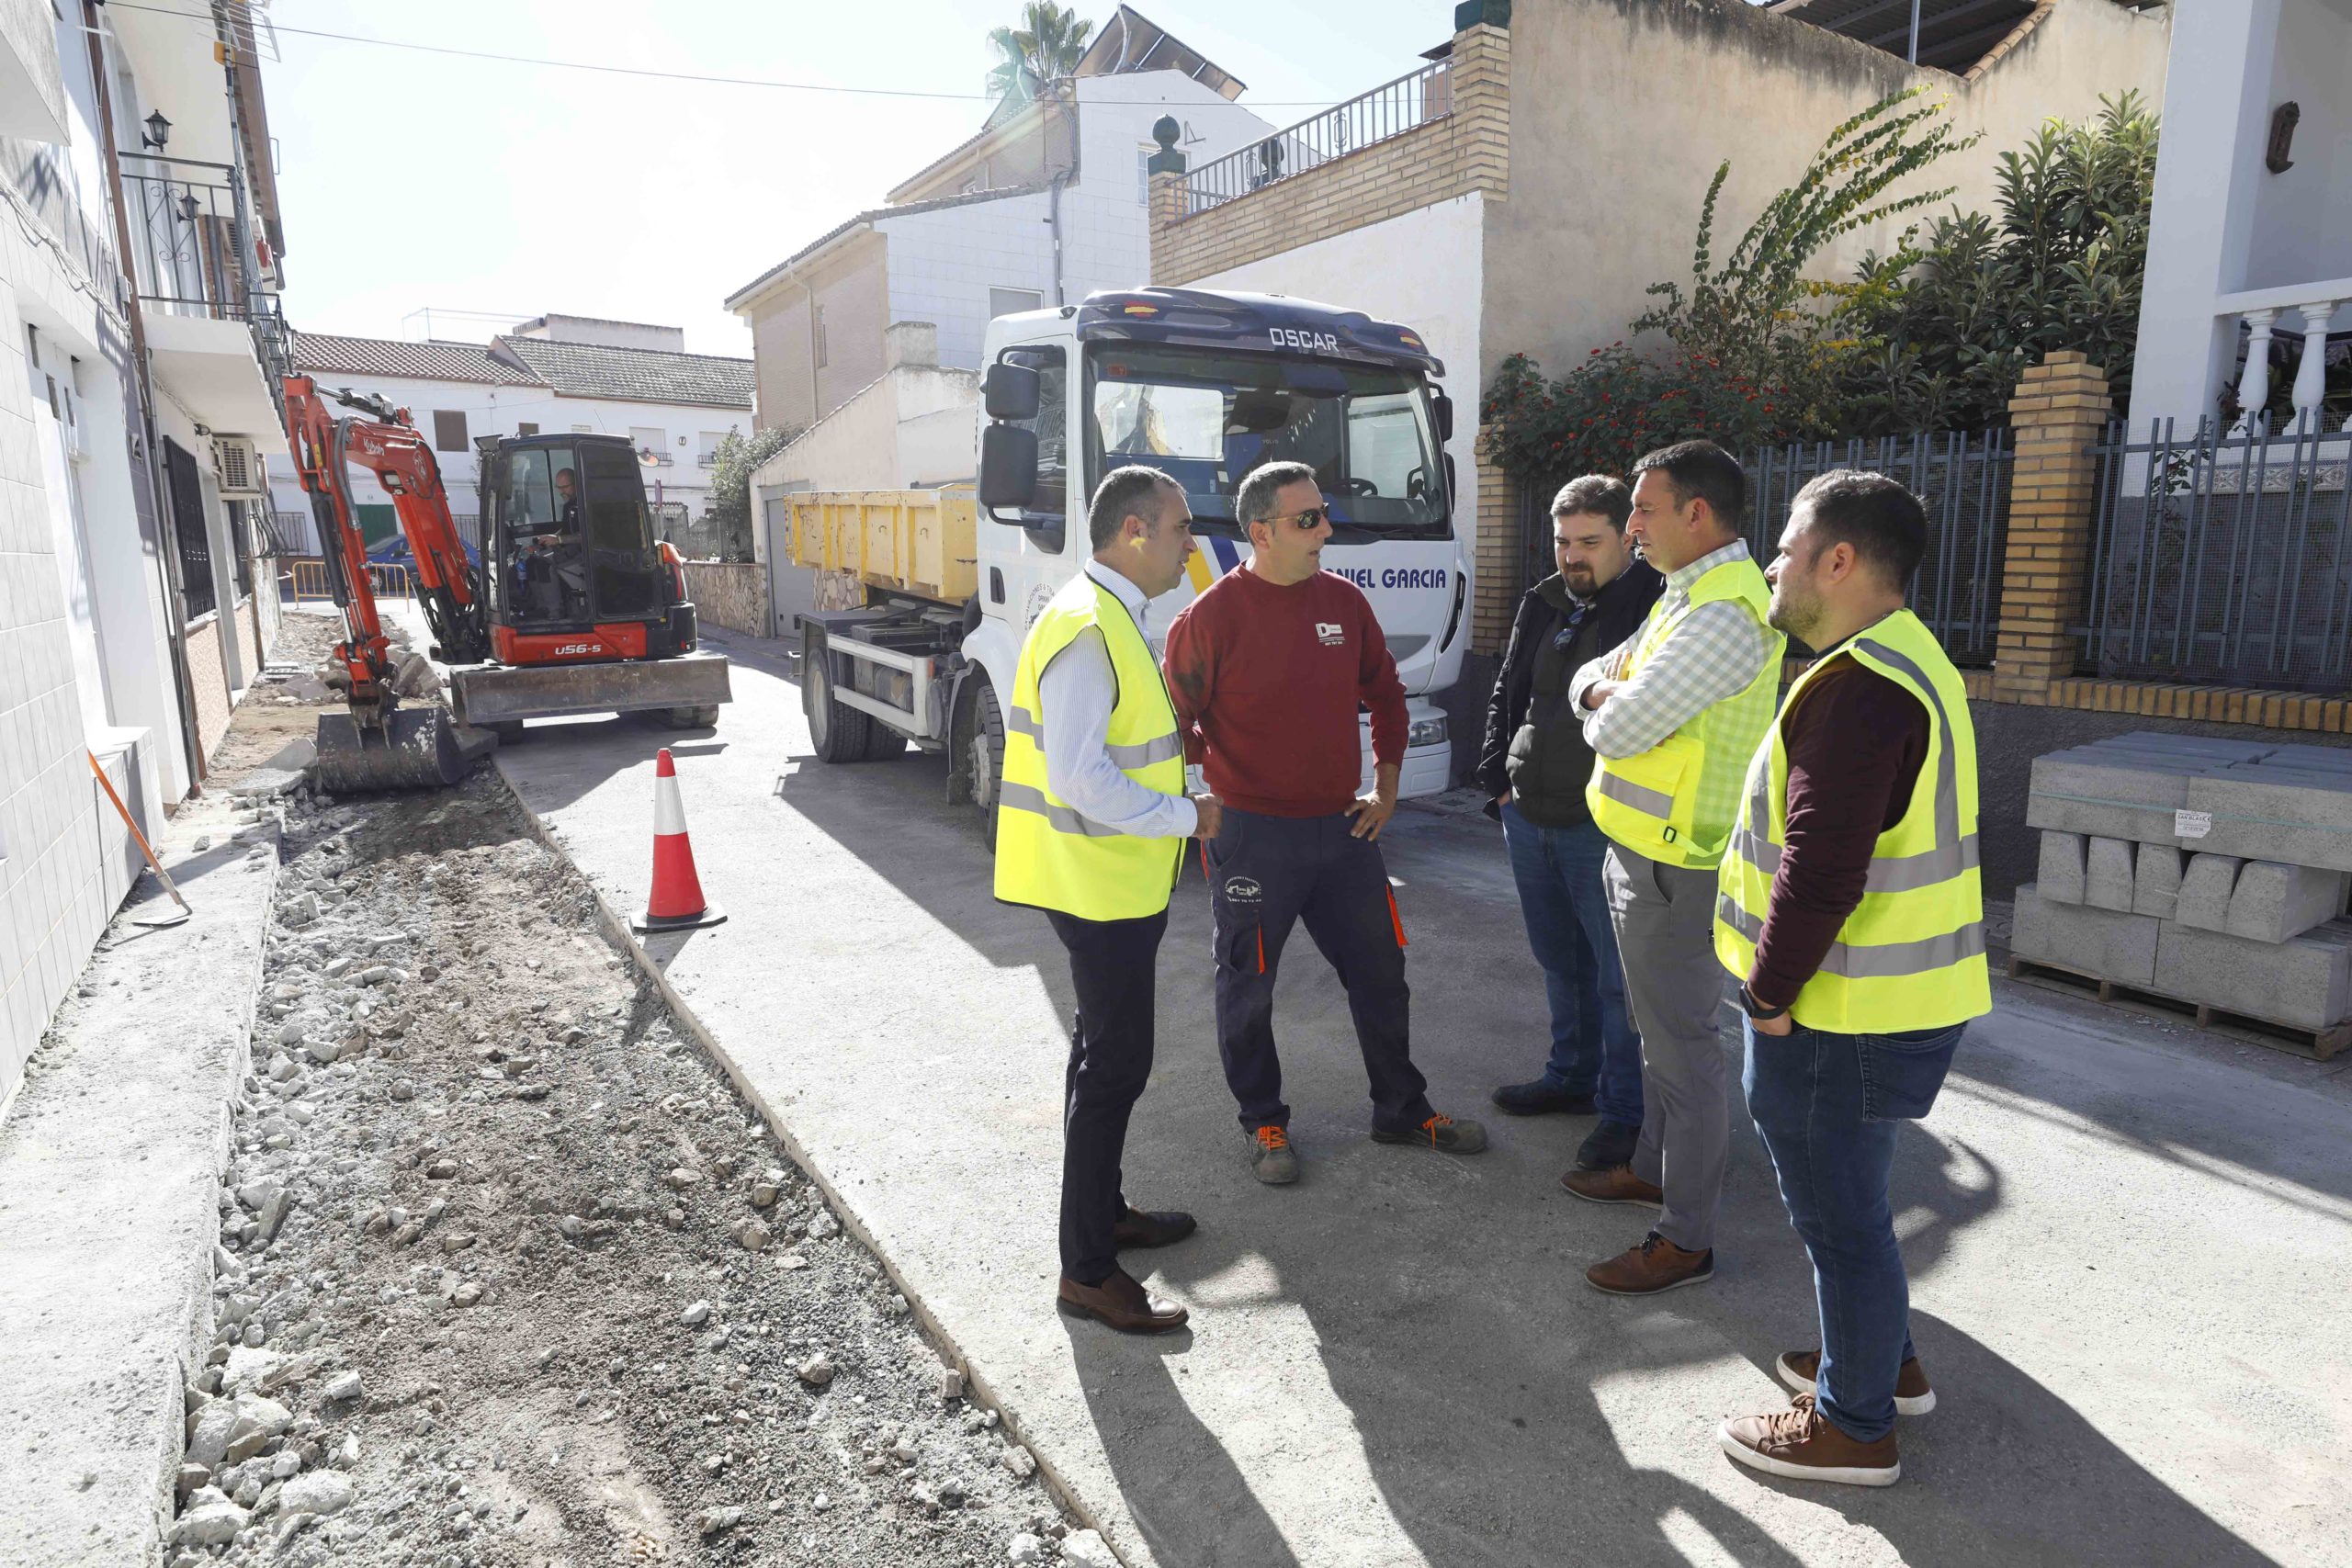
(508, 1273)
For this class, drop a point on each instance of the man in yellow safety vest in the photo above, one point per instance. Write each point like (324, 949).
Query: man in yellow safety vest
(1091, 821)
(1673, 714)
(1851, 911)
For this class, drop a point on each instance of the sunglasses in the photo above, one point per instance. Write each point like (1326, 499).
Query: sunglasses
(1307, 522)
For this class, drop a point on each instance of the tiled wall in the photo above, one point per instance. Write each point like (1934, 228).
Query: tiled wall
(53, 900)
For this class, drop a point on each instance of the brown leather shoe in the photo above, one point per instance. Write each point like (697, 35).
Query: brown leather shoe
(1656, 1265)
(1803, 1444)
(1123, 1303)
(1138, 1228)
(1798, 1369)
(1618, 1184)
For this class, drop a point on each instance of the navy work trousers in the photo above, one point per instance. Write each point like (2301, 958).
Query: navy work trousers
(1267, 874)
(1113, 964)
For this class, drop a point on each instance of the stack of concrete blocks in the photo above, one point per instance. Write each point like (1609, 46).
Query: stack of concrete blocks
(2210, 870)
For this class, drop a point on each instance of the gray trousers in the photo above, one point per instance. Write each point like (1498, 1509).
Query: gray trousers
(1663, 917)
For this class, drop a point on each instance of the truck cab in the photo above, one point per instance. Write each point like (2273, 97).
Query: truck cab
(1205, 386)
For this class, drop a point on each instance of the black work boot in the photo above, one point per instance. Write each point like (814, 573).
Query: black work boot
(1610, 1144)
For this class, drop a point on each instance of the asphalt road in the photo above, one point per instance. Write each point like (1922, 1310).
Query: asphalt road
(2128, 1243)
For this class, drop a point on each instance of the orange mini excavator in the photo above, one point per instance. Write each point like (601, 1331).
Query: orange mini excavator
(573, 607)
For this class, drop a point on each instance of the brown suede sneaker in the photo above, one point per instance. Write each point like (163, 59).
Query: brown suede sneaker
(1798, 1369)
(1656, 1265)
(1802, 1444)
(1618, 1184)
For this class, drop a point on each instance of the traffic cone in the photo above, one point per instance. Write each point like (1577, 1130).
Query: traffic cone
(676, 904)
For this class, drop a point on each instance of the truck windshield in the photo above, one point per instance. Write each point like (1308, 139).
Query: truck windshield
(1208, 419)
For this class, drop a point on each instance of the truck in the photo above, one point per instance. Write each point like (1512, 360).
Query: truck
(1203, 385)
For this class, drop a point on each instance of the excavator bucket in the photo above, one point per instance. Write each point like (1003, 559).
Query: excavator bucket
(417, 749)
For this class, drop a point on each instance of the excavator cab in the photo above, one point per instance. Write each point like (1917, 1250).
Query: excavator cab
(574, 572)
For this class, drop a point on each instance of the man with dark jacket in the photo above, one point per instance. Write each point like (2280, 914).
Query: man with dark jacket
(1534, 765)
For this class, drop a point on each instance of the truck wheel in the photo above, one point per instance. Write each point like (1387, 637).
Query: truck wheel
(884, 743)
(702, 716)
(840, 733)
(983, 760)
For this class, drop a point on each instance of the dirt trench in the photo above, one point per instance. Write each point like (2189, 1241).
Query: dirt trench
(510, 1274)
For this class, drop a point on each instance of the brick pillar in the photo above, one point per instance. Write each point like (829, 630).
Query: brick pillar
(2062, 407)
(1494, 560)
(1479, 73)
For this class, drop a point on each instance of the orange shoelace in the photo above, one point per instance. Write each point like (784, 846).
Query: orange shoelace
(1431, 1127)
(1272, 1138)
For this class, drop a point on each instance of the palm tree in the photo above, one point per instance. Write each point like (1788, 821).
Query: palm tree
(1049, 43)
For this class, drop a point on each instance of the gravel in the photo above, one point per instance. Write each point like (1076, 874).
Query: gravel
(508, 1273)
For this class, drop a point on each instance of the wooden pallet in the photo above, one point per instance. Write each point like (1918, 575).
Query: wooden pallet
(2318, 1045)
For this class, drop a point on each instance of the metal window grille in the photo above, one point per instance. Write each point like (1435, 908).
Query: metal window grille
(2220, 557)
(198, 591)
(1390, 110)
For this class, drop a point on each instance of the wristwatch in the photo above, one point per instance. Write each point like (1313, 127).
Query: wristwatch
(1755, 1010)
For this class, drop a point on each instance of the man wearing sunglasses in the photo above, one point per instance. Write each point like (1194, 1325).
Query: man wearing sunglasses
(1534, 766)
(1269, 669)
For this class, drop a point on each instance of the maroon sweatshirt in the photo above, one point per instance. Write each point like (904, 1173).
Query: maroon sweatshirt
(1268, 683)
(1856, 743)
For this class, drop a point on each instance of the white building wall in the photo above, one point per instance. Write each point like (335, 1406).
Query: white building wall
(943, 264)
(1423, 269)
(2223, 222)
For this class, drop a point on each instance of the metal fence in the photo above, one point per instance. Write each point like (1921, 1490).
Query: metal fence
(2220, 557)
(183, 216)
(1963, 481)
(1389, 109)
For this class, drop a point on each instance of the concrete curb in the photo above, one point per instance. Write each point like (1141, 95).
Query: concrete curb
(115, 1158)
(978, 1389)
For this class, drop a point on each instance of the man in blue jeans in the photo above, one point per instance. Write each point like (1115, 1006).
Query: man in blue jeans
(1534, 765)
(1850, 907)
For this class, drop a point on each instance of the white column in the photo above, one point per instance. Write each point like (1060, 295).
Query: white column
(2254, 386)
(2311, 373)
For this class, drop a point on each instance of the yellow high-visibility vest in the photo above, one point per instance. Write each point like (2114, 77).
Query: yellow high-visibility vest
(1046, 853)
(1912, 954)
(1675, 802)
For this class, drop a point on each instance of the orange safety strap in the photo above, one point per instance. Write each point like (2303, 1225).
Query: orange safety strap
(1261, 950)
(1396, 920)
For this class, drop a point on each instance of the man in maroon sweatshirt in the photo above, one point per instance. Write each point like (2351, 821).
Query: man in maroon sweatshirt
(1269, 669)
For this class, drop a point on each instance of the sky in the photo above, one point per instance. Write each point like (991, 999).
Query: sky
(409, 180)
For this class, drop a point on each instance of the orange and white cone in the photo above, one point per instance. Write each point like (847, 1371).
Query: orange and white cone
(676, 903)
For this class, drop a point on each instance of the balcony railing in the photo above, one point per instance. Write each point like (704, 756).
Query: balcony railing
(184, 218)
(2314, 306)
(1390, 110)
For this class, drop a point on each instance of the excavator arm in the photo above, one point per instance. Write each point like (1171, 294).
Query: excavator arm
(376, 745)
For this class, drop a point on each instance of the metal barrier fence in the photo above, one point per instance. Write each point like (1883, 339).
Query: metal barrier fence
(1963, 482)
(1390, 110)
(390, 580)
(2221, 558)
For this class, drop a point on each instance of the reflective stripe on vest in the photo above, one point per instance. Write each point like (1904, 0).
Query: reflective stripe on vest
(1911, 955)
(1657, 803)
(1168, 745)
(1047, 853)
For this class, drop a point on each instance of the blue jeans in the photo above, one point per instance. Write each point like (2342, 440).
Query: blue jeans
(1594, 1048)
(1827, 1107)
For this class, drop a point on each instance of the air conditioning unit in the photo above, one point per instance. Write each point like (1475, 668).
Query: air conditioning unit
(237, 466)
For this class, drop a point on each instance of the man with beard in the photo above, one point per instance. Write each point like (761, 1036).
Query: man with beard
(1534, 766)
(1849, 908)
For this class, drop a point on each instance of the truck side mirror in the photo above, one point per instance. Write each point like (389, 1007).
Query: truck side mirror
(1012, 391)
(1443, 407)
(1008, 461)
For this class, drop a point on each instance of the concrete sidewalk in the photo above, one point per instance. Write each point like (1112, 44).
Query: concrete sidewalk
(2128, 1246)
(111, 1167)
